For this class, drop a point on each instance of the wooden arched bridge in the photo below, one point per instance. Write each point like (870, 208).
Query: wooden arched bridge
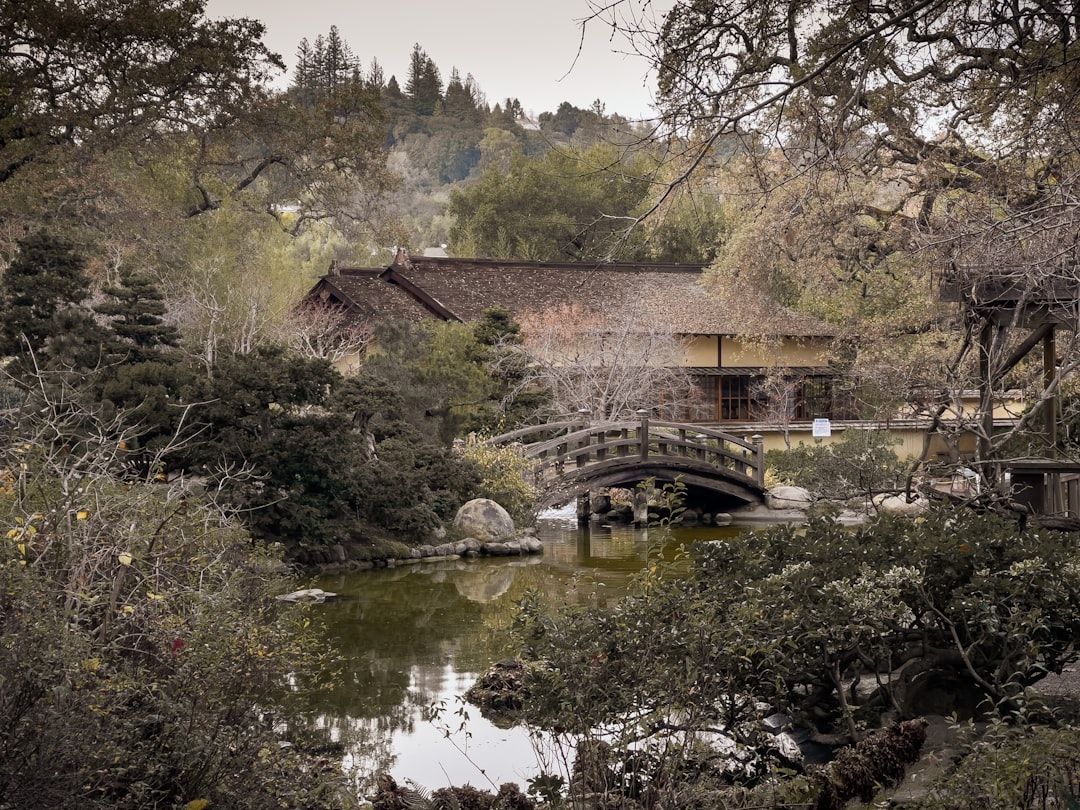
(572, 458)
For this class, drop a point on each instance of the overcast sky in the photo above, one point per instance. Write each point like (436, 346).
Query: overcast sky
(512, 48)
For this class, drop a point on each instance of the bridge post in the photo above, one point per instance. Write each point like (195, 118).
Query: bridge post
(641, 507)
(584, 500)
(759, 459)
(643, 436)
(584, 507)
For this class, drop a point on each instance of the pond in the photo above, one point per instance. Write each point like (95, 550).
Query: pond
(419, 635)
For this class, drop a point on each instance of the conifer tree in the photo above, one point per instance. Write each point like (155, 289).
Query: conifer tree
(424, 87)
(338, 64)
(459, 102)
(324, 68)
(40, 297)
(303, 80)
(376, 77)
(135, 308)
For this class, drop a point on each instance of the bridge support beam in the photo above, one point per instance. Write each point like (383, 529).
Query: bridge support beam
(584, 507)
(641, 507)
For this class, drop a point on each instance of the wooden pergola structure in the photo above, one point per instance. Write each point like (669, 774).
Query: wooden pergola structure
(1001, 299)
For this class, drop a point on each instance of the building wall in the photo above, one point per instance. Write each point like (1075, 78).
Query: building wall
(702, 350)
(738, 352)
(909, 439)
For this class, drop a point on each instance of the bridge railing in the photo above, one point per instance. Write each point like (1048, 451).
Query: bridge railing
(578, 448)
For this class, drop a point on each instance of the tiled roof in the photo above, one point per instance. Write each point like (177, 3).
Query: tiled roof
(368, 296)
(671, 295)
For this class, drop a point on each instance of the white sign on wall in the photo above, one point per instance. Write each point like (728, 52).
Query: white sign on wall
(822, 429)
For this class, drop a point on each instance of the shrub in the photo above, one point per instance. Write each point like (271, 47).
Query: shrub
(1024, 767)
(503, 479)
(144, 661)
(837, 628)
(858, 464)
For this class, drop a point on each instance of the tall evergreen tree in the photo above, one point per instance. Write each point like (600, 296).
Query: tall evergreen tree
(303, 84)
(459, 102)
(424, 87)
(324, 68)
(40, 296)
(339, 64)
(376, 77)
(477, 95)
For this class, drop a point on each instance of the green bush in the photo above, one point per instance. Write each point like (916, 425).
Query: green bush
(143, 659)
(858, 464)
(503, 479)
(839, 628)
(1023, 767)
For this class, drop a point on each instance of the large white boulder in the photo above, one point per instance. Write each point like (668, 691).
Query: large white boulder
(784, 498)
(485, 520)
(899, 505)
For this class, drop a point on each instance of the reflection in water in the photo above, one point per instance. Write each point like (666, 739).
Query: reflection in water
(419, 635)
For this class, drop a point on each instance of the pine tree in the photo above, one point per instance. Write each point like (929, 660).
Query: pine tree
(459, 102)
(339, 63)
(40, 297)
(424, 87)
(324, 68)
(477, 95)
(135, 308)
(376, 77)
(514, 108)
(304, 57)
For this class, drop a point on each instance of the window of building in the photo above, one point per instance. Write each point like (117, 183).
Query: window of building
(753, 398)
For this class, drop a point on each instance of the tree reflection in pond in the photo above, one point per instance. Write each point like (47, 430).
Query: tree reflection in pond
(420, 634)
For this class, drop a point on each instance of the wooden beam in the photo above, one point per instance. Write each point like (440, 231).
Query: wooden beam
(986, 389)
(1051, 403)
(1021, 351)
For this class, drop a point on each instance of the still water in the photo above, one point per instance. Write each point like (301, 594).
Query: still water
(420, 635)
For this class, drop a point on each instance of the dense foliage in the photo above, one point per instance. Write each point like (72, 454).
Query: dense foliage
(583, 205)
(838, 629)
(860, 463)
(98, 73)
(1026, 767)
(452, 379)
(297, 452)
(884, 147)
(144, 659)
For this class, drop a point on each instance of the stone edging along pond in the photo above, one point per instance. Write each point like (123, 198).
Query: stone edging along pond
(524, 542)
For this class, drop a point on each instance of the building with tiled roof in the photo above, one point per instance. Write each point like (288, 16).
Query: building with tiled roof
(731, 341)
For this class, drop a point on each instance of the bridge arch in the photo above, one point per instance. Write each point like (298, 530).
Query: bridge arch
(571, 458)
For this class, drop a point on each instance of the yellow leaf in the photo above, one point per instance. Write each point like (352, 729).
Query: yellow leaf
(197, 804)
(82, 514)
(13, 533)
(92, 664)
(152, 595)
(128, 609)
(124, 558)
